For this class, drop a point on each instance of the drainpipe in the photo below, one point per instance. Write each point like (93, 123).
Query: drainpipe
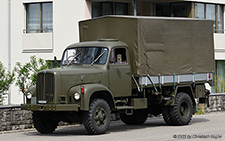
(9, 47)
(135, 7)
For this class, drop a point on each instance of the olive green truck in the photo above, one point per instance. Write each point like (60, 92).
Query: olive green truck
(130, 66)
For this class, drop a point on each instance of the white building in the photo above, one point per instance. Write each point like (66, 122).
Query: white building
(45, 27)
(38, 27)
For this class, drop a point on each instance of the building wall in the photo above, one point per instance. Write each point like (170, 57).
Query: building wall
(4, 32)
(219, 41)
(66, 15)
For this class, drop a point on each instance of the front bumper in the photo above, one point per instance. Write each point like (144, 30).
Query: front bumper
(51, 107)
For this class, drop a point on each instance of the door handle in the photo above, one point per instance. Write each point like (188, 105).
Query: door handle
(127, 72)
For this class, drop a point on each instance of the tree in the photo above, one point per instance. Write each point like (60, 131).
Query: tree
(27, 73)
(6, 78)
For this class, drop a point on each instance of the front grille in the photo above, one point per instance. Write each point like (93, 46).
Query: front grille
(45, 87)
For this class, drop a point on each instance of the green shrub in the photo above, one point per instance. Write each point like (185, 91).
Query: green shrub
(27, 73)
(6, 78)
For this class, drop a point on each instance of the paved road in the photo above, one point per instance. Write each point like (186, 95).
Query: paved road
(202, 127)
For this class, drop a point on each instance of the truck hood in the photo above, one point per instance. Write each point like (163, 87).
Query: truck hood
(79, 75)
(78, 71)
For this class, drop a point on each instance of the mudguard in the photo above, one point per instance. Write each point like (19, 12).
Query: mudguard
(89, 90)
(180, 88)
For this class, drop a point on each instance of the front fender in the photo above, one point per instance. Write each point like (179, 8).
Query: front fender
(89, 90)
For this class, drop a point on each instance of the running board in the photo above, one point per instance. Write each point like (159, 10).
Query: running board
(124, 107)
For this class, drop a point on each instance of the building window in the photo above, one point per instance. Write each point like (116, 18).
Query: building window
(121, 9)
(163, 9)
(219, 78)
(219, 19)
(199, 11)
(109, 8)
(39, 17)
(171, 9)
(211, 12)
(179, 10)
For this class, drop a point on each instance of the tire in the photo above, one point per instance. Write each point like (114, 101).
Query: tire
(97, 119)
(44, 123)
(181, 113)
(137, 118)
(166, 115)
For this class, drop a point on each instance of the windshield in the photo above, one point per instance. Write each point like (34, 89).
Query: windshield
(85, 55)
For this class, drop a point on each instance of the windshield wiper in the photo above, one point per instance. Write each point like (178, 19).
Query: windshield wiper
(74, 58)
(98, 58)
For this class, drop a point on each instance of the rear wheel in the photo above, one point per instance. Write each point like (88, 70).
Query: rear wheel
(181, 113)
(97, 119)
(138, 117)
(166, 115)
(44, 123)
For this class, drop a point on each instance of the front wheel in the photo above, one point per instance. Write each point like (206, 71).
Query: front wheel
(44, 123)
(96, 120)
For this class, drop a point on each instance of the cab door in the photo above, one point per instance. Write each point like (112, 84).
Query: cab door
(119, 73)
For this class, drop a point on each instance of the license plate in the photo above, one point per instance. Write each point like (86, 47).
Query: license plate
(42, 101)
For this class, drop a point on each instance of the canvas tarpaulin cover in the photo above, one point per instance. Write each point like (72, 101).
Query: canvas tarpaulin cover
(164, 46)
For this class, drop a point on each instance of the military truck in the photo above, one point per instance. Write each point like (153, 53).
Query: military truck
(130, 66)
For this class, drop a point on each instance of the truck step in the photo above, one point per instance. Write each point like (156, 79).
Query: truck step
(124, 107)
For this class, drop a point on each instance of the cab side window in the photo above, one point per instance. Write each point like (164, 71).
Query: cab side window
(118, 56)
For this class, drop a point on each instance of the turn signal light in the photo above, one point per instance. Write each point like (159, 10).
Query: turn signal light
(82, 89)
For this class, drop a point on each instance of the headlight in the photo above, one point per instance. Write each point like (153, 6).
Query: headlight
(29, 95)
(76, 96)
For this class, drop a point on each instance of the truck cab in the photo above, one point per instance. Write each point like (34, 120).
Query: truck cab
(89, 70)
